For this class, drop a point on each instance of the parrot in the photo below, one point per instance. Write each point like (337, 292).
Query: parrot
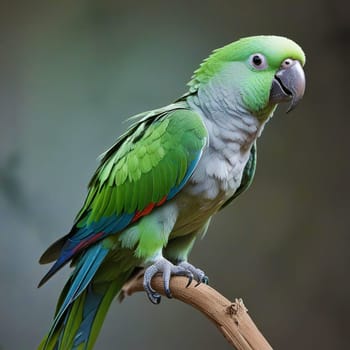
(157, 188)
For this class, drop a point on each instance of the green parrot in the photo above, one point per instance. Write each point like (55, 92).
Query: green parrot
(157, 188)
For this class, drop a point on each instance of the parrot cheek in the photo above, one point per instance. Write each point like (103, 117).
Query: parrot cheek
(288, 84)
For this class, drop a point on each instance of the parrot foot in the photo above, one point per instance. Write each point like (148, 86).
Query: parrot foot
(198, 274)
(167, 269)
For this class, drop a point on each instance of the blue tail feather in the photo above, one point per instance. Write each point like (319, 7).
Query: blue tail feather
(81, 277)
(92, 302)
(78, 326)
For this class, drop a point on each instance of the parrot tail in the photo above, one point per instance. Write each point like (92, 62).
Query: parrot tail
(83, 305)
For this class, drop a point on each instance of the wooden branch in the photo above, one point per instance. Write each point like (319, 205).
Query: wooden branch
(231, 318)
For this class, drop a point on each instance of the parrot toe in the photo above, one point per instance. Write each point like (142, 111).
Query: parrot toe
(198, 274)
(167, 269)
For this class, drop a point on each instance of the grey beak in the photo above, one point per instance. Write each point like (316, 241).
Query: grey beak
(288, 84)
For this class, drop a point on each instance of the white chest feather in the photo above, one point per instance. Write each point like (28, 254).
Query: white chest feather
(216, 174)
(219, 172)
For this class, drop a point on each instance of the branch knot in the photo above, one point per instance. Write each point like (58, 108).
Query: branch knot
(236, 308)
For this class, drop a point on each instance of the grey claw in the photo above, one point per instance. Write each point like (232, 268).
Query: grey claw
(185, 273)
(168, 293)
(166, 281)
(153, 296)
(205, 279)
(190, 279)
(197, 274)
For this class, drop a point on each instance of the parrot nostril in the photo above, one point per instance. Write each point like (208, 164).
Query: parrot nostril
(287, 63)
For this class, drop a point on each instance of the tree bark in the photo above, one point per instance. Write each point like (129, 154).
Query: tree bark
(231, 318)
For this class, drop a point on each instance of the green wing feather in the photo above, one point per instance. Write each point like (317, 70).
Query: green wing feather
(145, 165)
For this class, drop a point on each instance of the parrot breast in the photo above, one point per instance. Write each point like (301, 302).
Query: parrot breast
(219, 172)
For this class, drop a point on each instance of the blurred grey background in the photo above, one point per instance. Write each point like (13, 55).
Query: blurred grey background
(72, 71)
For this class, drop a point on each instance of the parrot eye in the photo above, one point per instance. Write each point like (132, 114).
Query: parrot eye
(258, 61)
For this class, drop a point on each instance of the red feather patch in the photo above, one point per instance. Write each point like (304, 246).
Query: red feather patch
(84, 243)
(148, 209)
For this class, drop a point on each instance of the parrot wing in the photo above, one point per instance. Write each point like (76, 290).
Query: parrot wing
(146, 167)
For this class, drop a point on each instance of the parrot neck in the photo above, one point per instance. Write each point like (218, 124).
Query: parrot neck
(219, 100)
(229, 124)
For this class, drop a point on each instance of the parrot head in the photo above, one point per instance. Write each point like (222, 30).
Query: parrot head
(262, 70)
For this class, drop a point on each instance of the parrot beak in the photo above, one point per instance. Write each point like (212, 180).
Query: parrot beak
(288, 84)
